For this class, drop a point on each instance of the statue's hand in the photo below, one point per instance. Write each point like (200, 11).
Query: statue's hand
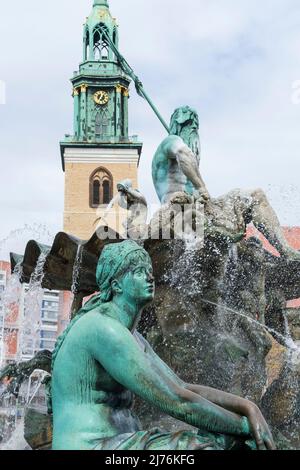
(181, 198)
(259, 428)
(201, 196)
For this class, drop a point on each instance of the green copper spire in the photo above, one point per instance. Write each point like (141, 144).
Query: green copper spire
(100, 88)
(99, 22)
(101, 3)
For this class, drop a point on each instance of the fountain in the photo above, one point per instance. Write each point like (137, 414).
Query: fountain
(219, 316)
(221, 299)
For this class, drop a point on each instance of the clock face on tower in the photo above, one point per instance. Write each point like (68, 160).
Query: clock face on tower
(101, 97)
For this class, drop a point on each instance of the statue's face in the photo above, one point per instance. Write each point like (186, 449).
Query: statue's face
(138, 284)
(182, 116)
(186, 116)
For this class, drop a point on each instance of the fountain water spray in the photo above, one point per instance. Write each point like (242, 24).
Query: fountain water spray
(38, 231)
(29, 338)
(76, 269)
(102, 217)
(287, 340)
(10, 300)
(31, 324)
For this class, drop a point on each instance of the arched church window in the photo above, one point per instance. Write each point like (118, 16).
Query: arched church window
(101, 48)
(96, 192)
(106, 191)
(102, 123)
(101, 187)
(87, 45)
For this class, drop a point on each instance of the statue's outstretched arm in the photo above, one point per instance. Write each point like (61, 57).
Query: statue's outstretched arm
(117, 351)
(130, 195)
(259, 427)
(136, 197)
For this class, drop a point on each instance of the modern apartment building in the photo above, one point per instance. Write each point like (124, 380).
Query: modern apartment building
(13, 347)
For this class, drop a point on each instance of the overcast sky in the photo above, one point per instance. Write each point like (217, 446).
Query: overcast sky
(235, 61)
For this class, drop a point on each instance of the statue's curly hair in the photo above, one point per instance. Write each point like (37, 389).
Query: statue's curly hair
(176, 126)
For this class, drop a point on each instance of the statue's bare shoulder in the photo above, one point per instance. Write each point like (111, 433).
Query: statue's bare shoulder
(102, 328)
(168, 148)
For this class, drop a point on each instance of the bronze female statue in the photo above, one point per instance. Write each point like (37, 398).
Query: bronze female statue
(101, 361)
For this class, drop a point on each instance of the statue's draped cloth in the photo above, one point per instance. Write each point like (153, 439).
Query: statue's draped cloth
(158, 440)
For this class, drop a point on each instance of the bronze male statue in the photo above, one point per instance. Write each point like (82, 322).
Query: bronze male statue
(176, 177)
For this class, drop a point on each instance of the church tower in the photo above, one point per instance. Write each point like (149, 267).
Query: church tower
(100, 153)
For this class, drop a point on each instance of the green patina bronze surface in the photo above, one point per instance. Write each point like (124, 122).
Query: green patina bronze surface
(175, 166)
(101, 362)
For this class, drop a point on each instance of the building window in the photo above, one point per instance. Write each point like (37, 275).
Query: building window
(106, 191)
(51, 304)
(48, 345)
(101, 187)
(87, 45)
(47, 334)
(96, 192)
(49, 316)
(101, 48)
(102, 123)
